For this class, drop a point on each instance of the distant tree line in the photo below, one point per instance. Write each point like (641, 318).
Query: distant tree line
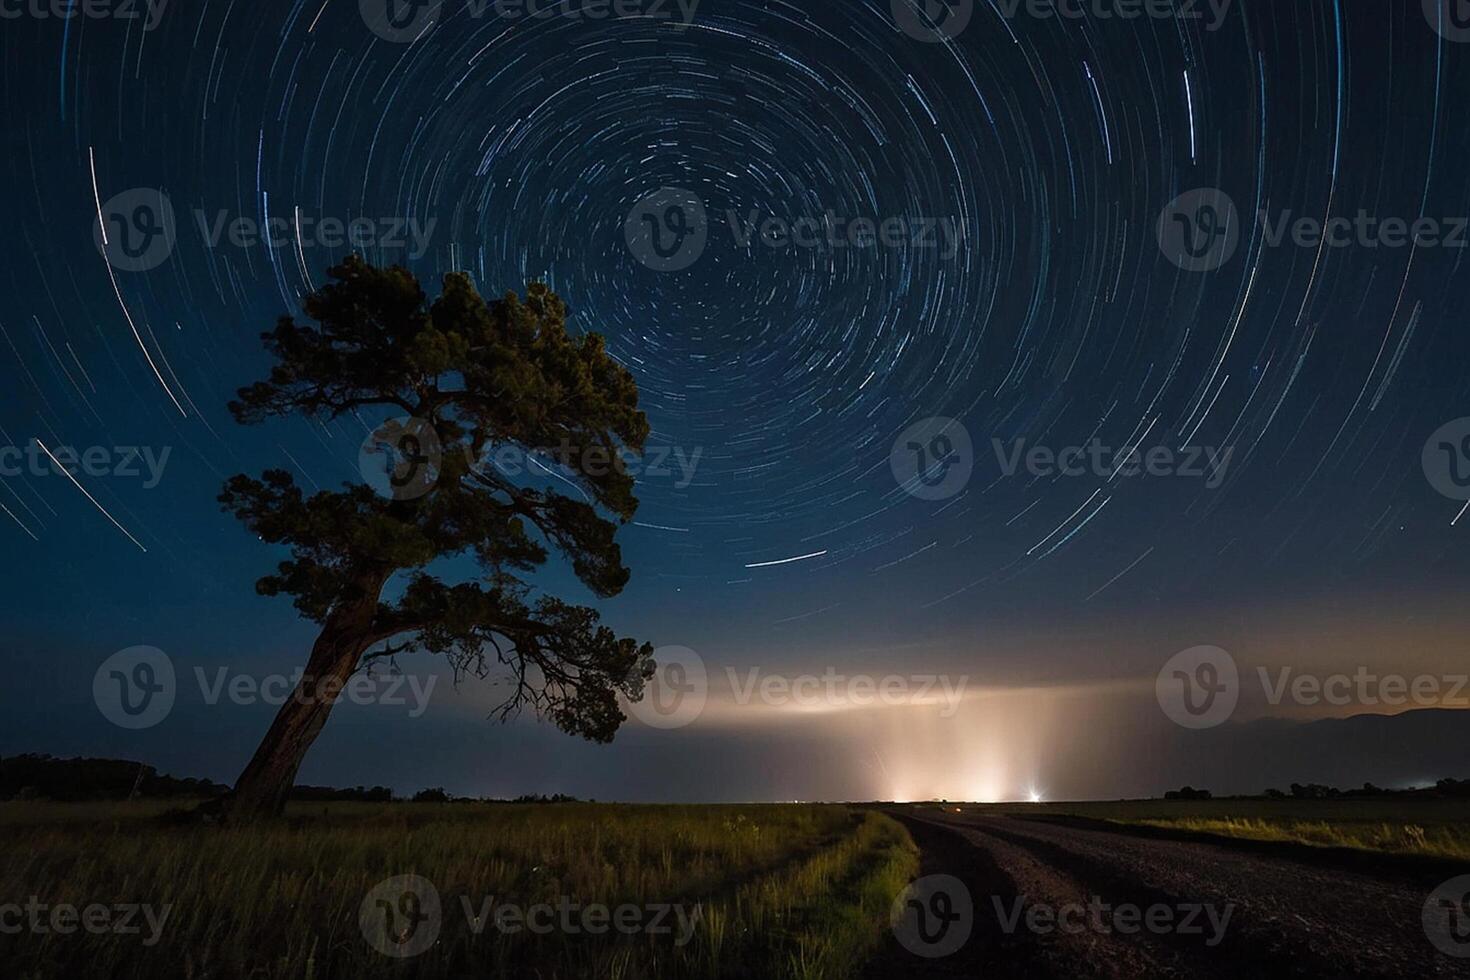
(44, 777)
(438, 795)
(330, 794)
(1443, 789)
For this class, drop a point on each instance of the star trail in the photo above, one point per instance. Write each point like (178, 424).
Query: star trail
(904, 213)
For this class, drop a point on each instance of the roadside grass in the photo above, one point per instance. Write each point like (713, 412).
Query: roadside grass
(1430, 827)
(1391, 838)
(799, 891)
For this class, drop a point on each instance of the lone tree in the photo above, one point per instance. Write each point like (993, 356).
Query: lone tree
(473, 379)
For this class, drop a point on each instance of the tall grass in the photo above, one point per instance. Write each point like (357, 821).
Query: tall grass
(782, 891)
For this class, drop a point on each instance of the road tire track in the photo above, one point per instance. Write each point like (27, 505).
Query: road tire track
(1286, 918)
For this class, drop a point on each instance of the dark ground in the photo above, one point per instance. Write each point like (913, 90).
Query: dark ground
(1294, 911)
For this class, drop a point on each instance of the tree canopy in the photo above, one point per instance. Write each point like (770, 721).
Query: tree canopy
(468, 378)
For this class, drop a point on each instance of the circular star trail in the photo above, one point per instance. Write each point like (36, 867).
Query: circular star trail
(1021, 167)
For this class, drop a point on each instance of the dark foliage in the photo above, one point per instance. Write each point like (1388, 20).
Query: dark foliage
(484, 375)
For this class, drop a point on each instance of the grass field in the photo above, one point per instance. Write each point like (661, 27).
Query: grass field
(746, 891)
(1435, 827)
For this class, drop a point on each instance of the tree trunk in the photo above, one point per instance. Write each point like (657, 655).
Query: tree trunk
(263, 787)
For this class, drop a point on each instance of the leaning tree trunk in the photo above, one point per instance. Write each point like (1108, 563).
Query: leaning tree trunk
(262, 788)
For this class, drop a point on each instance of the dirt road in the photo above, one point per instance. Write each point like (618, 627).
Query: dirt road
(1011, 897)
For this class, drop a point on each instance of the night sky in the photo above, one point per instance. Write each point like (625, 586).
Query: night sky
(1044, 304)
